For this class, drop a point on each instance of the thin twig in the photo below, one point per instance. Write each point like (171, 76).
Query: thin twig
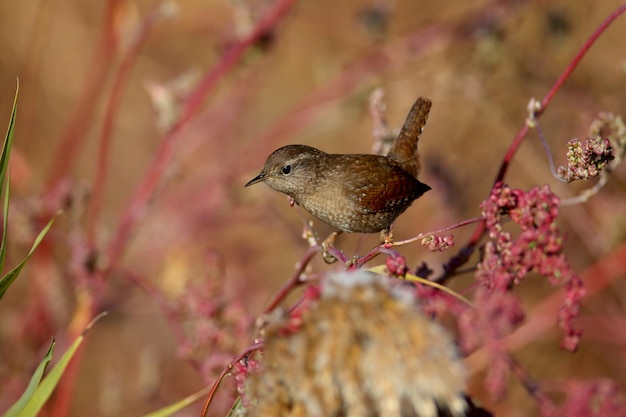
(588, 193)
(74, 133)
(546, 148)
(294, 281)
(112, 108)
(438, 231)
(249, 350)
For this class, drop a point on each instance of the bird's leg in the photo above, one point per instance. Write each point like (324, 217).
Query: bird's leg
(386, 235)
(330, 241)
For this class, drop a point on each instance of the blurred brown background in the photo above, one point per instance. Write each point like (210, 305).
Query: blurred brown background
(306, 81)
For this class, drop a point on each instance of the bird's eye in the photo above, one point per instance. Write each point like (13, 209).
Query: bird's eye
(286, 169)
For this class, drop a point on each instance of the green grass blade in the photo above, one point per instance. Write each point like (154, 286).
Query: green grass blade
(382, 270)
(49, 383)
(236, 408)
(171, 409)
(8, 139)
(4, 181)
(8, 279)
(5, 224)
(32, 385)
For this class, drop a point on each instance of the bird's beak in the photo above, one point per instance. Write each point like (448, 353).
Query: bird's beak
(258, 178)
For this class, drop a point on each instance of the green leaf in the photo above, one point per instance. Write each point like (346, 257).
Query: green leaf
(49, 383)
(236, 408)
(4, 164)
(171, 409)
(32, 385)
(8, 279)
(8, 139)
(5, 224)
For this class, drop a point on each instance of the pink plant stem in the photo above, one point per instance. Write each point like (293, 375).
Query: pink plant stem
(67, 151)
(367, 257)
(294, 281)
(532, 387)
(362, 260)
(249, 350)
(264, 26)
(438, 231)
(113, 106)
(464, 254)
(339, 255)
(384, 247)
(144, 191)
(75, 130)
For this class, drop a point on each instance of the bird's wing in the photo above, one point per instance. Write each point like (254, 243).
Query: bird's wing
(398, 188)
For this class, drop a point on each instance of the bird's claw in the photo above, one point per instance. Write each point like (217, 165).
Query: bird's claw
(330, 241)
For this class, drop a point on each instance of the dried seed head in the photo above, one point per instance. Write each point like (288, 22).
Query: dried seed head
(585, 159)
(362, 349)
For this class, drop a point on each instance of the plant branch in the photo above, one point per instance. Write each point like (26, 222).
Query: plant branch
(249, 350)
(112, 107)
(164, 155)
(75, 131)
(294, 281)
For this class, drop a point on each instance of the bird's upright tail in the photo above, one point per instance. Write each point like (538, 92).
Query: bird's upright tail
(404, 148)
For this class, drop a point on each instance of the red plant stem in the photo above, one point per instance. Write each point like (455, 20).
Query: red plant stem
(232, 57)
(522, 375)
(532, 387)
(250, 349)
(66, 388)
(294, 281)
(76, 131)
(362, 260)
(464, 253)
(84, 313)
(112, 108)
(164, 154)
(438, 231)
(36, 44)
(336, 253)
(69, 143)
(43, 260)
(367, 257)
(76, 128)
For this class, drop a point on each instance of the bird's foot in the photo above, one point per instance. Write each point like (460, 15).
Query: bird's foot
(386, 236)
(330, 241)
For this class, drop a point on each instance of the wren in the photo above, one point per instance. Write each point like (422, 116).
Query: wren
(357, 193)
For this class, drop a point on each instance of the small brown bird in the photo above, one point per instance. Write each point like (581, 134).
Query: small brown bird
(357, 193)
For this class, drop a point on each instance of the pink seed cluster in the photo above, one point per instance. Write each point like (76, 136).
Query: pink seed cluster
(538, 248)
(438, 243)
(586, 158)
